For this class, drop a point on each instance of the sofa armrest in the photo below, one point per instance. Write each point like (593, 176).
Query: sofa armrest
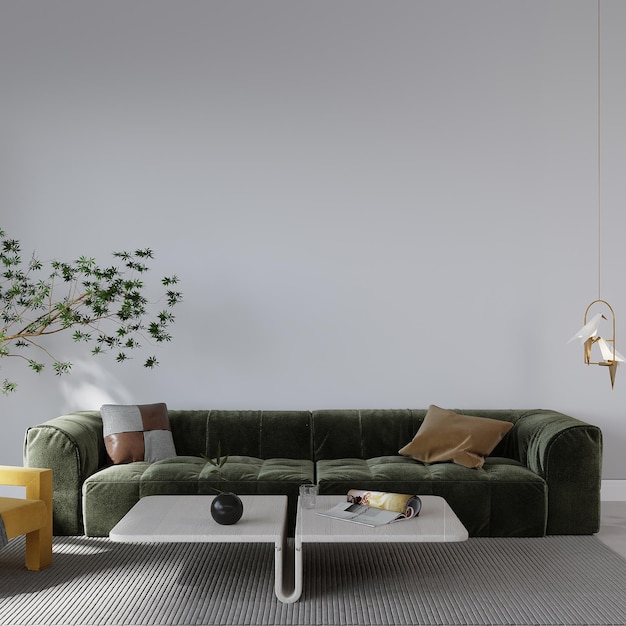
(567, 454)
(73, 447)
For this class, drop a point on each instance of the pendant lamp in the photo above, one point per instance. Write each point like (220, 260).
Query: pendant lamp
(599, 330)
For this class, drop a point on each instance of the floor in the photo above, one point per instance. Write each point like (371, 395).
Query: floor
(613, 526)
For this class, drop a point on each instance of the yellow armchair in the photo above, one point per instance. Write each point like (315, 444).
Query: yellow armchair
(31, 516)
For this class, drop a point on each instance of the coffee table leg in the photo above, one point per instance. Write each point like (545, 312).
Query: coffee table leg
(288, 571)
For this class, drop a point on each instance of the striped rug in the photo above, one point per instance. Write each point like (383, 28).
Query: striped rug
(552, 580)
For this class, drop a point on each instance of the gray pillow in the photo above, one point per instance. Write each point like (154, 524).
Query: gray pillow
(137, 432)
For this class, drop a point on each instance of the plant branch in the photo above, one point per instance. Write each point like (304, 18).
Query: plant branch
(95, 295)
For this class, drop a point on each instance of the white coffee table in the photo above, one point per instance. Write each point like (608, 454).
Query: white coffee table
(187, 519)
(436, 522)
(183, 519)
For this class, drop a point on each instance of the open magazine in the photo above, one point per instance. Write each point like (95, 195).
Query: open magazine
(375, 508)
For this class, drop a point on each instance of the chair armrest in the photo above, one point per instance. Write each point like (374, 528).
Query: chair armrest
(73, 447)
(30, 517)
(38, 481)
(567, 454)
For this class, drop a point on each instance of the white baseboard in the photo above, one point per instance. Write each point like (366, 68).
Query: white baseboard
(613, 490)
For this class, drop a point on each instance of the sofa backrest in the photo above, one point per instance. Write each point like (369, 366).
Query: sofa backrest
(364, 434)
(260, 434)
(316, 435)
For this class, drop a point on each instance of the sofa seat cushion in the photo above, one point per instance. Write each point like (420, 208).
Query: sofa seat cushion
(503, 498)
(241, 474)
(110, 493)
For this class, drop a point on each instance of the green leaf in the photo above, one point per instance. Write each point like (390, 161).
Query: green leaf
(79, 335)
(8, 387)
(61, 368)
(151, 362)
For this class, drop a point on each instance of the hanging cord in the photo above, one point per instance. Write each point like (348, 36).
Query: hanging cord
(599, 162)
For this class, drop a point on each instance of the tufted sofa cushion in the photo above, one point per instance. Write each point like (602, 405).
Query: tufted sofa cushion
(503, 498)
(107, 493)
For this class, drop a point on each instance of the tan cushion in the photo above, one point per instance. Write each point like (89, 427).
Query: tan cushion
(448, 436)
(137, 432)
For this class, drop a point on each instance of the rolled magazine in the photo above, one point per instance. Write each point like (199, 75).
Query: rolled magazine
(375, 508)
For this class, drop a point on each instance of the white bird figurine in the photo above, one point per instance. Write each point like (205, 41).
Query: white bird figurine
(588, 335)
(607, 352)
(590, 329)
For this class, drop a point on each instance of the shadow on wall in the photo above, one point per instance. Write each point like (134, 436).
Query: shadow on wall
(89, 386)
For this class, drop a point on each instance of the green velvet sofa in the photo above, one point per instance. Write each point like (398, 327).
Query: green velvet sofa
(542, 478)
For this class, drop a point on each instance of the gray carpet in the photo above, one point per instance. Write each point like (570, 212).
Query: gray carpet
(554, 580)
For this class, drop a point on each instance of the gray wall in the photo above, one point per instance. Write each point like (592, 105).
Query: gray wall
(370, 204)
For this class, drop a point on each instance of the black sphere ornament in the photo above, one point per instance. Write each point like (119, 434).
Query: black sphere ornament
(227, 508)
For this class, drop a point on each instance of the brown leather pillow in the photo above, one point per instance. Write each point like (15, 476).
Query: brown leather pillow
(448, 436)
(137, 432)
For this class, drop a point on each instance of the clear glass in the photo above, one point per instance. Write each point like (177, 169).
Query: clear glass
(307, 496)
